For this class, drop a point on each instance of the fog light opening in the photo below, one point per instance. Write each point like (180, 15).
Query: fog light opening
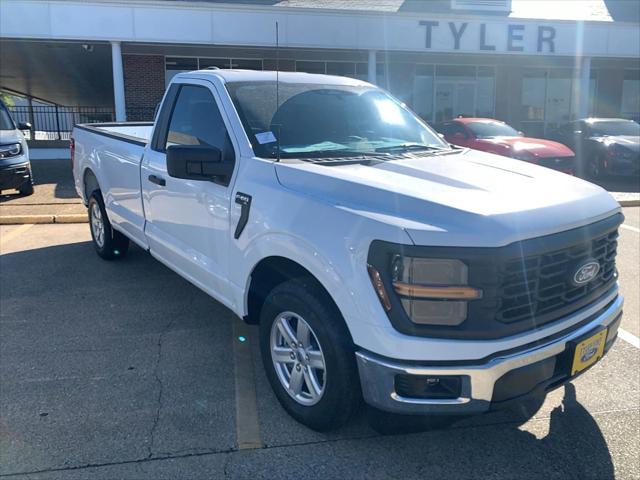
(428, 387)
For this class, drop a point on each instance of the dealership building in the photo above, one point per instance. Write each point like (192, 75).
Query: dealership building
(533, 64)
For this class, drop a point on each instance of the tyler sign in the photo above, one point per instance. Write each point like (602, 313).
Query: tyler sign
(488, 37)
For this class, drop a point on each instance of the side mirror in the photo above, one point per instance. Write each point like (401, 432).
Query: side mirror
(520, 133)
(24, 126)
(197, 162)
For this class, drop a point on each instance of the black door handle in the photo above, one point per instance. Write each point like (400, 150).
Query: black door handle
(157, 180)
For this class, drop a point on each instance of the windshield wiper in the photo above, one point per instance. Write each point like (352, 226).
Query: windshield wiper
(337, 153)
(406, 147)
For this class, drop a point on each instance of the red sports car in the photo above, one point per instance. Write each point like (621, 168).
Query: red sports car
(497, 137)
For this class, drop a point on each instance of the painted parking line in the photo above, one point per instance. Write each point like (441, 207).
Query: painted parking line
(6, 237)
(629, 227)
(247, 426)
(629, 337)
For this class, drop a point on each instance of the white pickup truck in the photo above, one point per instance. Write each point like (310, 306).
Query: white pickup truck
(379, 262)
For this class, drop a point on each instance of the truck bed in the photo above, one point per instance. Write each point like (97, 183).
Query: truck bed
(132, 132)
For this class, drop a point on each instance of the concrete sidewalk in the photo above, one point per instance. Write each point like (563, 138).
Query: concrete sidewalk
(55, 199)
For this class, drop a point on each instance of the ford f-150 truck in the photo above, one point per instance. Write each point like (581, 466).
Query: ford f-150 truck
(379, 261)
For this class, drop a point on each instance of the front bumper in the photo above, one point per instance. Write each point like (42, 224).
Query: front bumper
(622, 166)
(484, 385)
(14, 175)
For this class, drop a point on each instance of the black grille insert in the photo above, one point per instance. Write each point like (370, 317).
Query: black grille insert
(539, 284)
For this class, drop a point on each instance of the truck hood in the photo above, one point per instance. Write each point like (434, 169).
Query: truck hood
(469, 198)
(537, 147)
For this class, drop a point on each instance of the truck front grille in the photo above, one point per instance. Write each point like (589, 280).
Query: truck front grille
(525, 285)
(538, 285)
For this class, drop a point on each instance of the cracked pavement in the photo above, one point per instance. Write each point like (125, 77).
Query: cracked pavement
(125, 370)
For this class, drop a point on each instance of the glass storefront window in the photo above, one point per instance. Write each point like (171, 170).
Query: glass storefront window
(464, 91)
(548, 100)
(533, 95)
(558, 103)
(215, 62)
(311, 67)
(593, 89)
(422, 98)
(485, 102)
(176, 65)
(245, 64)
(631, 95)
(344, 69)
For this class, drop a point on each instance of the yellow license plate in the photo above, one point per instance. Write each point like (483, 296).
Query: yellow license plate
(588, 351)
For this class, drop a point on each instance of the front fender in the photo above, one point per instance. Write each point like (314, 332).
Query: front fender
(300, 251)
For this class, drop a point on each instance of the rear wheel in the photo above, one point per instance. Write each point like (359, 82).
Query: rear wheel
(109, 244)
(308, 355)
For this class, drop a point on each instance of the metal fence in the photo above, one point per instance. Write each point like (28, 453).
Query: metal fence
(55, 122)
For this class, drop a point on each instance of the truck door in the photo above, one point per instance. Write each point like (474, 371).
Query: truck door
(188, 220)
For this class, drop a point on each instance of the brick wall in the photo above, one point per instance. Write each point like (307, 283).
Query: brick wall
(143, 85)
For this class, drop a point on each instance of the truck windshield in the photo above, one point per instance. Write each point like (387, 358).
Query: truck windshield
(491, 129)
(318, 120)
(5, 120)
(601, 129)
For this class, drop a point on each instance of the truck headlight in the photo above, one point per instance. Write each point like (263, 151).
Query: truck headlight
(10, 150)
(433, 291)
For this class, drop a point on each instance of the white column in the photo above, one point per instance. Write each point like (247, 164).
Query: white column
(118, 82)
(584, 77)
(372, 76)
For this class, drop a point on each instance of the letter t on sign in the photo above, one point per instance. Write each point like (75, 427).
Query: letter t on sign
(428, 25)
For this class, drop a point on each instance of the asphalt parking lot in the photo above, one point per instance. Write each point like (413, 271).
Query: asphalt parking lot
(125, 370)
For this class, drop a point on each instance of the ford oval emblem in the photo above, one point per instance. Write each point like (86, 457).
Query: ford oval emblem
(586, 272)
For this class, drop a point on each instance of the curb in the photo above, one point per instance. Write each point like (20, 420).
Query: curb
(43, 219)
(629, 203)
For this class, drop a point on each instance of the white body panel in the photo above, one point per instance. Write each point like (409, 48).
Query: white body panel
(325, 218)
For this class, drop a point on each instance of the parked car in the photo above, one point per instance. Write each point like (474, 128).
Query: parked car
(379, 262)
(494, 136)
(15, 168)
(604, 146)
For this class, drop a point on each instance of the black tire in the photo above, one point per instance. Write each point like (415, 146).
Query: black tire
(342, 393)
(26, 188)
(595, 168)
(112, 244)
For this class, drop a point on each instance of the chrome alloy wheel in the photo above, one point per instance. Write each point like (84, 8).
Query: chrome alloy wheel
(297, 358)
(97, 224)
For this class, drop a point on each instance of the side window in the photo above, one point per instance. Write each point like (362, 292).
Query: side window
(452, 128)
(446, 129)
(196, 120)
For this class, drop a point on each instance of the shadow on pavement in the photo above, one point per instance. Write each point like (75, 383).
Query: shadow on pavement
(574, 437)
(53, 183)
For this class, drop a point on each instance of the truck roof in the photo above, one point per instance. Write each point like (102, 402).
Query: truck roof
(266, 76)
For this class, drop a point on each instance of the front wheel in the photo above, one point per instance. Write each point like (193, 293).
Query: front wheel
(109, 244)
(26, 188)
(308, 355)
